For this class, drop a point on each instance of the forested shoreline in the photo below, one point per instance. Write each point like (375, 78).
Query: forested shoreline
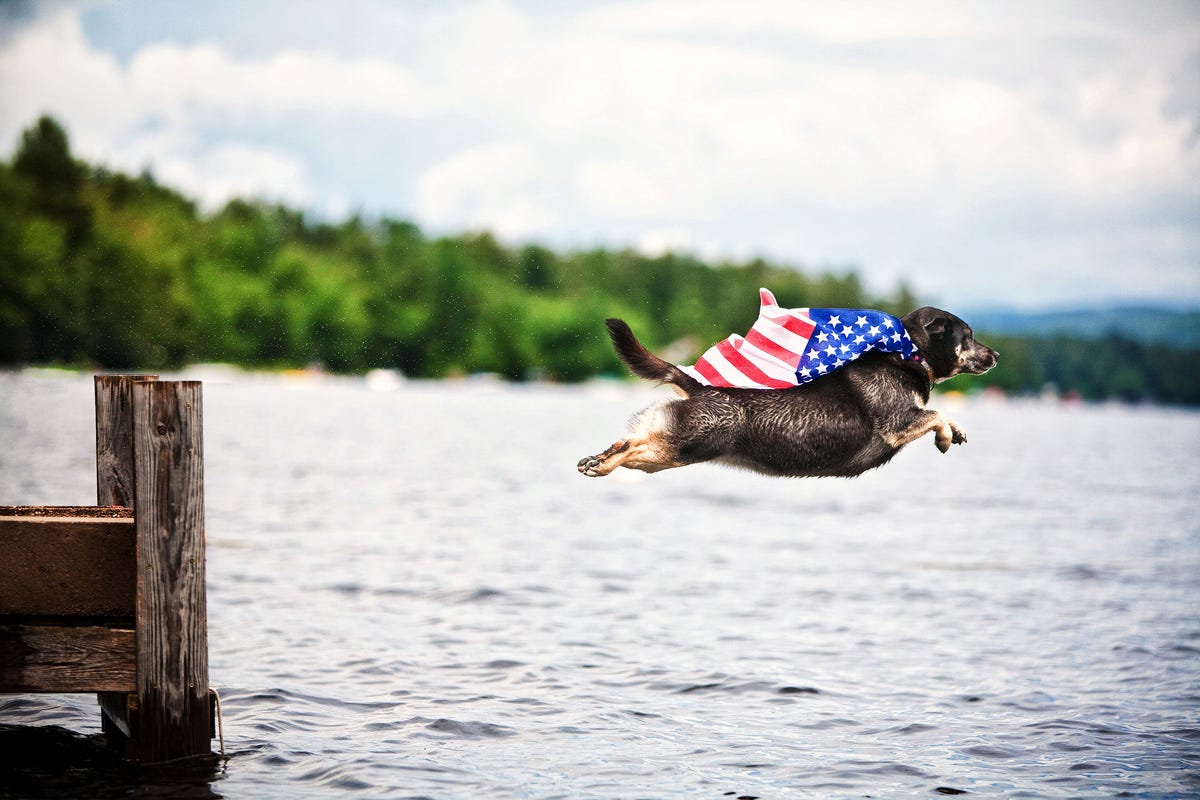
(107, 270)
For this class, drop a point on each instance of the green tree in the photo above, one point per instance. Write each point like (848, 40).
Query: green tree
(97, 266)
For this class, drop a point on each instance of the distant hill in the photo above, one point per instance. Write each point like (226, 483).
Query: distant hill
(1146, 324)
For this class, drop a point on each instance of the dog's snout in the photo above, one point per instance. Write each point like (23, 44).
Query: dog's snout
(983, 359)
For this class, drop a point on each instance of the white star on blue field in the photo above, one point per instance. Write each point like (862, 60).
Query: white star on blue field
(836, 343)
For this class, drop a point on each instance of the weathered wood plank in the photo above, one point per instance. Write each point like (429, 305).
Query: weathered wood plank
(114, 438)
(66, 511)
(114, 483)
(52, 658)
(172, 625)
(67, 566)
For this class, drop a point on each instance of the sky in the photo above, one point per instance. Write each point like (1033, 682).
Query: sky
(1020, 154)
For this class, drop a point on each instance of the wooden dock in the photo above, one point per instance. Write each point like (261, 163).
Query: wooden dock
(111, 598)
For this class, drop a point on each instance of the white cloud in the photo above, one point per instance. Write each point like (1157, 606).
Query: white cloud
(621, 188)
(49, 67)
(487, 187)
(660, 242)
(834, 22)
(204, 79)
(150, 112)
(214, 175)
(660, 109)
(810, 131)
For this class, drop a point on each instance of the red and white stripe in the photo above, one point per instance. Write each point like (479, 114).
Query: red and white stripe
(766, 358)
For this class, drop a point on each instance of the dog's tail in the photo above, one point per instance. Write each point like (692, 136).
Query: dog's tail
(644, 364)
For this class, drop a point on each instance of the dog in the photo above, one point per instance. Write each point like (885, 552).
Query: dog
(845, 423)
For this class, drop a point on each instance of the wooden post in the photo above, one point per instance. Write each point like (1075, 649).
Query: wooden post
(99, 602)
(115, 487)
(114, 438)
(172, 627)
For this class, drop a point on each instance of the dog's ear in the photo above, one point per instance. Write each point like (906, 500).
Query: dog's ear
(925, 324)
(935, 325)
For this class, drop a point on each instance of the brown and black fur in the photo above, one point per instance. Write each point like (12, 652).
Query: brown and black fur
(842, 424)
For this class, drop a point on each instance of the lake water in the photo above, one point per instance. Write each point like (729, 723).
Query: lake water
(413, 594)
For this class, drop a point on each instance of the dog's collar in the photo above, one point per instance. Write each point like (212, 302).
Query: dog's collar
(928, 369)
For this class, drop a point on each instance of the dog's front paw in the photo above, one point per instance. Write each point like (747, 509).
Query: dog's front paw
(957, 434)
(949, 434)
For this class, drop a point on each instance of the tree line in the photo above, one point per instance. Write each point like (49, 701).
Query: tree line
(115, 271)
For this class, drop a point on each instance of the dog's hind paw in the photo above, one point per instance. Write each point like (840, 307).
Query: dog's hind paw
(603, 463)
(589, 466)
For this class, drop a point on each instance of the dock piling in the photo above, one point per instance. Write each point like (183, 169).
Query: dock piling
(143, 648)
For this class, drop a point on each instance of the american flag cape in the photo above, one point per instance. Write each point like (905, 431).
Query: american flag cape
(791, 346)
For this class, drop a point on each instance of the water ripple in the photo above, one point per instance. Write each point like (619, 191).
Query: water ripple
(411, 606)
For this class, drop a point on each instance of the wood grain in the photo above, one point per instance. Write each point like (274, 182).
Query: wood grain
(71, 658)
(114, 438)
(172, 626)
(67, 566)
(114, 484)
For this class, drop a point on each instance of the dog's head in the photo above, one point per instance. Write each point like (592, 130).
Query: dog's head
(947, 343)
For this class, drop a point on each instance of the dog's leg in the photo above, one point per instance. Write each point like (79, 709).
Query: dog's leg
(948, 431)
(646, 447)
(604, 463)
(648, 454)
